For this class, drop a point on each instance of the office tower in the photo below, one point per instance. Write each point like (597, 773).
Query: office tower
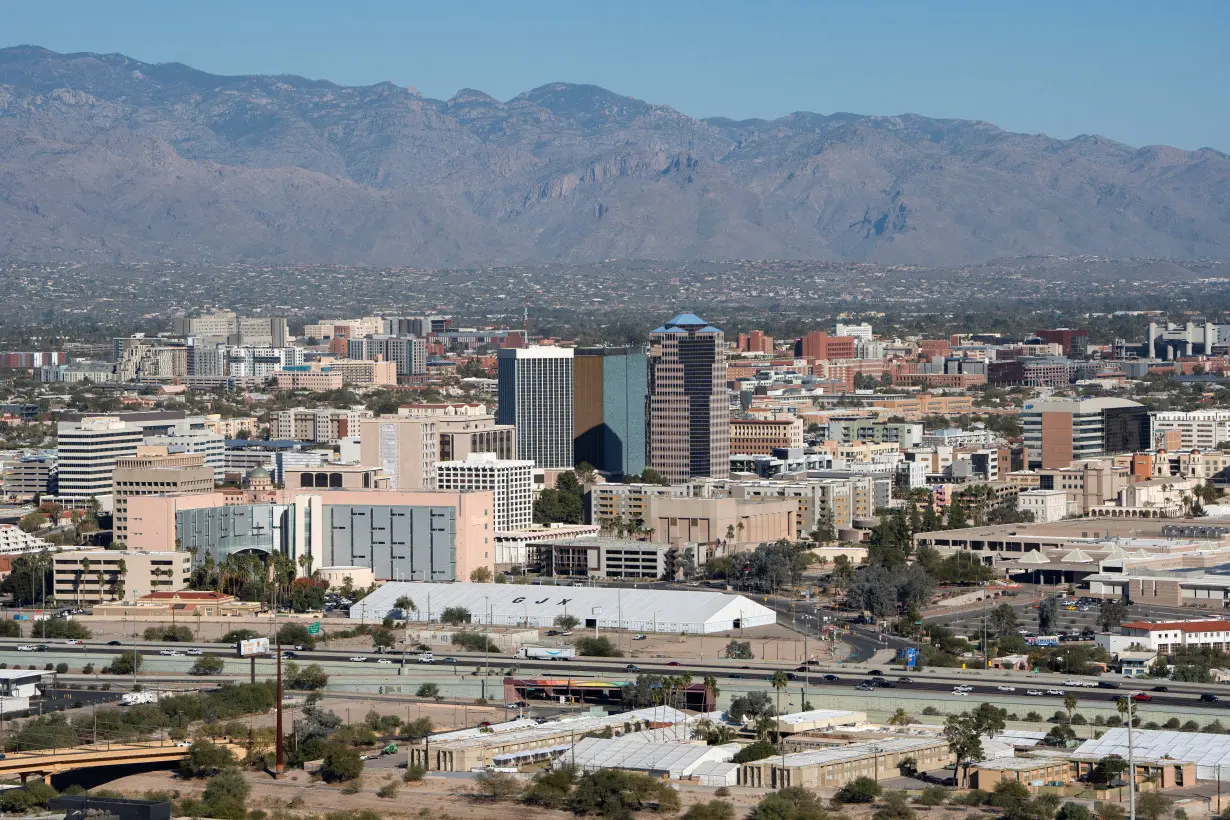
(1058, 432)
(610, 384)
(406, 449)
(510, 481)
(87, 453)
(689, 413)
(327, 425)
(154, 470)
(536, 396)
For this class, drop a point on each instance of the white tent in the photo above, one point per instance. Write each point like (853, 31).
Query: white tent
(529, 605)
(1077, 556)
(1033, 557)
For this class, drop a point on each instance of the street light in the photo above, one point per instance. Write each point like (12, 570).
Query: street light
(486, 646)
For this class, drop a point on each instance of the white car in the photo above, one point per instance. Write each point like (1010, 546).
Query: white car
(74, 642)
(1073, 683)
(196, 652)
(359, 659)
(25, 647)
(384, 660)
(1056, 692)
(1035, 693)
(963, 688)
(961, 693)
(166, 652)
(1006, 688)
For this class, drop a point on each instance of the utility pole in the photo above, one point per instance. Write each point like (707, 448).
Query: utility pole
(1132, 763)
(278, 759)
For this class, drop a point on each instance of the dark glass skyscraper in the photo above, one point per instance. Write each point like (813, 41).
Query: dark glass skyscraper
(689, 412)
(610, 386)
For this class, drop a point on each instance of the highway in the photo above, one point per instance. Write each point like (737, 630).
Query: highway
(731, 674)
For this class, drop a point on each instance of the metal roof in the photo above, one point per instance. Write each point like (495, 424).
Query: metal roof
(644, 610)
(677, 759)
(854, 751)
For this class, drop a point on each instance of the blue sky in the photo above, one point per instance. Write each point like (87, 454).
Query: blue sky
(1140, 72)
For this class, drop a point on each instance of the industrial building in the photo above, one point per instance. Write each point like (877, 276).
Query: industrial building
(655, 754)
(642, 610)
(833, 767)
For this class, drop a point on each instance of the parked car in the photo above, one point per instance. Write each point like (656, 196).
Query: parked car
(638, 637)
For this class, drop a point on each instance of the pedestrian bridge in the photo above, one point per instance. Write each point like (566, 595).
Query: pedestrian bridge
(46, 762)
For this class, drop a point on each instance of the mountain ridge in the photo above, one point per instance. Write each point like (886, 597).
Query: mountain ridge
(104, 156)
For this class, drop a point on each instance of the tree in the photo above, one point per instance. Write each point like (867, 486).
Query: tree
(1002, 621)
(1108, 769)
(207, 665)
(496, 785)
(341, 763)
(428, 690)
(1153, 805)
(618, 794)
(455, 616)
(32, 522)
(168, 634)
(480, 575)
(779, 683)
(1010, 795)
(311, 677)
(566, 621)
(750, 706)
(126, 663)
(1111, 614)
(957, 519)
(792, 803)
(711, 686)
(964, 735)
(896, 806)
(405, 604)
(825, 531)
(1074, 811)
(1069, 704)
(296, 635)
(60, 629)
(206, 758)
(754, 751)
(739, 650)
(1047, 610)
(900, 718)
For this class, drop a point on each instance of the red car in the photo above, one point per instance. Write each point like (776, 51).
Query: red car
(1142, 697)
(673, 663)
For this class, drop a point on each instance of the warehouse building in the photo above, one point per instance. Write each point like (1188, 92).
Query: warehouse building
(649, 755)
(642, 610)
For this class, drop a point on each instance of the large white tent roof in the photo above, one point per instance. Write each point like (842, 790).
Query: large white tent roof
(1210, 753)
(644, 610)
(677, 759)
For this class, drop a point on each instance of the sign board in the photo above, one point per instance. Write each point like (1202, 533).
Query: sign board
(911, 657)
(253, 646)
(314, 628)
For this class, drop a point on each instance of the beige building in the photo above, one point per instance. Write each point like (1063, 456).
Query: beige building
(1088, 484)
(93, 576)
(405, 449)
(327, 425)
(763, 436)
(835, 766)
(702, 520)
(337, 477)
(364, 372)
(230, 428)
(153, 471)
(314, 376)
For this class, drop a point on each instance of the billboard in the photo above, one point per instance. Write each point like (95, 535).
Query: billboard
(253, 646)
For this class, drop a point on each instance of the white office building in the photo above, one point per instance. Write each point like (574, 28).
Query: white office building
(211, 446)
(87, 452)
(1047, 506)
(510, 481)
(860, 331)
(1200, 430)
(536, 396)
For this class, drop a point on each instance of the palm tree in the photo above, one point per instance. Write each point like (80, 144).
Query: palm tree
(711, 687)
(779, 682)
(900, 718)
(1069, 705)
(305, 564)
(84, 567)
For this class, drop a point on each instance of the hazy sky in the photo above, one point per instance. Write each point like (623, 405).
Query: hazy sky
(1136, 71)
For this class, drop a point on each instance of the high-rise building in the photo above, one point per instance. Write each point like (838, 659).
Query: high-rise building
(609, 417)
(536, 397)
(510, 481)
(226, 328)
(87, 454)
(405, 448)
(323, 424)
(689, 413)
(1199, 430)
(154, 470)
(1058, 432)
(408, 352)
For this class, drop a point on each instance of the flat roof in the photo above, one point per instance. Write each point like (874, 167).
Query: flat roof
(854, 751)
(1210, 753)
(1181, 626)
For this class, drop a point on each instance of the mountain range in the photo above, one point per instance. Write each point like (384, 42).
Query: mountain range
(106, 158)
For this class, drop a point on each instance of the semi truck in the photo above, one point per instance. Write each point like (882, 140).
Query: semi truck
(547, 653)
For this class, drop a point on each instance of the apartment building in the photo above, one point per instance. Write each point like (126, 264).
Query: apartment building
(763, 436)
(327, 425)
(536, 396)
(511, 483)
(87, 453)
(154, 470)
(820, 345)
(93, 576)
(232, 428)
(689, 410)
(225, 327)
(314, 376)
(848, 431)
(408, 353)
(187, 438)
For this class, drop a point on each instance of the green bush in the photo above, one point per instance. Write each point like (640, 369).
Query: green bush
(61, 668)
(973, 797)
(474, 642)
(712, 810)
(296, 635)
(169, 634)
(415, 772)
(206, 759)
(226, 795)
(933, 796)
(428, 690)
(858, 790)
(207, 665)
(341, 764)
(34, 793)
(1074, 811)
(127, 662)
(388, 790)
(754, 751)
(793, 803)
(600, 647)
(62, 630)
(237, 635)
